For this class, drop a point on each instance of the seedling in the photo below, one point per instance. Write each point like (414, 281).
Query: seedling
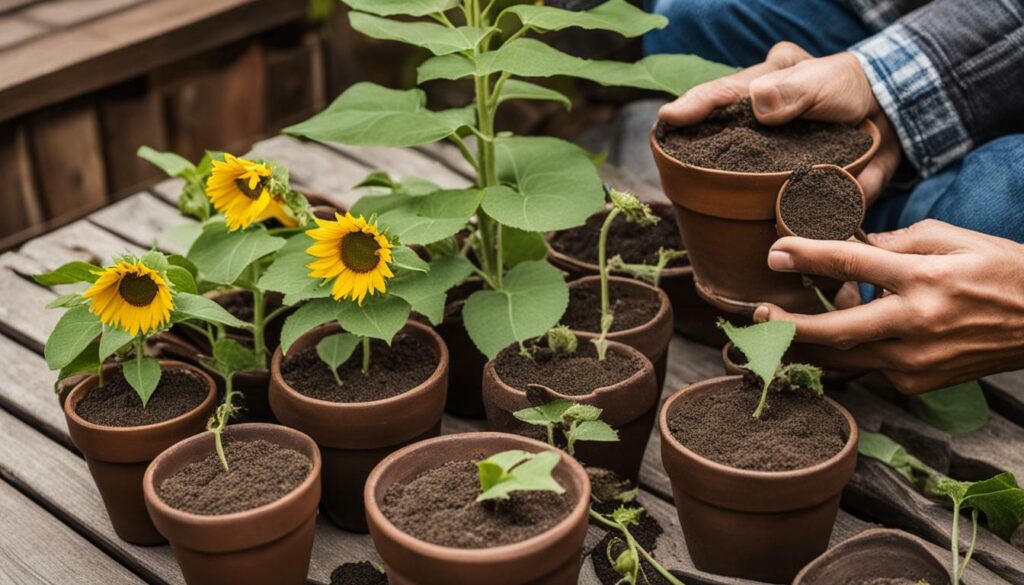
(764, 344)
(650, 273)
(334, 350)
(229, 358)
(577, 422)
(808, 282)
(513, 471)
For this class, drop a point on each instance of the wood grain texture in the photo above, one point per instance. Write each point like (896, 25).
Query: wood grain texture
(18, 196)
(67, 13)
(131, 115)
(143, 220)
(21, 313)
(314, 166)
(80, 240)
(15, 29)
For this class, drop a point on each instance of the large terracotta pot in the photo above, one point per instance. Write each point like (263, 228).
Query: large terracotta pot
(629, 406)
(879, 553)
(757, 525)
(355, 436)
(727, 222)
(118, 456)
(551, 558)
(268, 545)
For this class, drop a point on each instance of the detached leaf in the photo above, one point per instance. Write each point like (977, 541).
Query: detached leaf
(379, 317)
(312, 314)
(407, 7)
(69, 273)
(190, 306)
(142, 374)
(75, 330)
(763, 345)
(531, 474)
(617, 16)
(221, 256)
(958, 410)
(438, 39)
(880, 447)
(174, 165)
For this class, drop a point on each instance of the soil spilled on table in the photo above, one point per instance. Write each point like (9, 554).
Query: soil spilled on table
(260, 473)
(116, 404)
(637, 244)
(439, 506)
(393, 370)
(731, 139)
(573, 374)
(362, 573)
(821, 204)
(631, 306)
(796, 430)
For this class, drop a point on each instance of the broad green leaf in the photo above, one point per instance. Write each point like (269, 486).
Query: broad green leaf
(880, 447)
(533, 299)
(614, 15)
(520, 246)
(514, 89)
(67, 301)
(143, 375)
(438, 39)
(190, 306)
(221, 256)
(378, 317)
(547, 184)
(183, 262)
(593, 430)
(113, 339)
(533, 474)
(763, 344)
(427, 293)
(582, 413)
(310, 315)
(75, 330)
(69, 273)
(545, 414)
(377, 179)
(86, 361)
(289, 273)
(1001, 500)
(496, 467)
(154, 260)
(958, 410)
(406, 7)
(184, 234)
(174, 165)
(335, 350)
(405, 259)
(231, 357)
(182, 280)
(426, 219)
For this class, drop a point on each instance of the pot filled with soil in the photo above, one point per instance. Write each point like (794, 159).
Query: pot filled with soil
(399, 400)
(822, 202)
(467, 369)
(879, 556)
(732, 360)
(119, 436)
(757, 497)
(431, 527)
(724, 176)
(252, 523)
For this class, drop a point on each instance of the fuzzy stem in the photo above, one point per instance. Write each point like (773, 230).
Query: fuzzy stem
(366, 355)
(764, 399)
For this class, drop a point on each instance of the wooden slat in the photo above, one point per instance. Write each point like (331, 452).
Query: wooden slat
(168, 190)
(404, 162)
(1006, 394)
(17, 188)
(28, 326)
(68, 156)
(314, 166)
(66, 13)
(295, 71)
(28, 390)
(131, 115)
(80, 240)
(14, 29)
(143, 220)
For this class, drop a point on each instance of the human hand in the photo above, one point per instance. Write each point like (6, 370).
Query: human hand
(953, 309)
(790, 84)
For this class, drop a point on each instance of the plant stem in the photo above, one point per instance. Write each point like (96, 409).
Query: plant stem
(275, 314)
(954, 542)
(629, 539)
(205, 330)
(764, 399)
(366, 355)
(259, 306)
(970, 549)
(220, 418)
(602, 265)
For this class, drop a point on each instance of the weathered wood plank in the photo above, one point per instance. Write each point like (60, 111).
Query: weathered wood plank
(169, 190)
(1006, 394)
(131, 115)
(314, 166)
(65, 13)
(16, 29)
(80, 240)
(27, 392)
(21, 313)
(404, 162)
(144, 220)
(17, 188)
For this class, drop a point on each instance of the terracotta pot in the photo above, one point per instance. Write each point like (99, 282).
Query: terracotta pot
(878, 553)
(118, 456)
(727, 222)
(629, 406)
(755, 525)
(355, 436)
(832, 379)
(467, 366)
(780, 222)
(268, 545)
(550, 558)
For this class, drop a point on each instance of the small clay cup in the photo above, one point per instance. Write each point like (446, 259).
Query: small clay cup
(833, 380)
(353, 437)
(467, 366)
(118, 456)
(268, 545)
(780, 221)
(628, 406)
(553, 557)
(757, 525)
(878, 553)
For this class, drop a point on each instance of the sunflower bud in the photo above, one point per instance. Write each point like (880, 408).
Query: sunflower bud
(635, 210)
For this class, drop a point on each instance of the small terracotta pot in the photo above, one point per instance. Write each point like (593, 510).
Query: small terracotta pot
(268, 545)
(467, 367)
(551, 558)
(355, 436)
(727, 222)
(755, 525)
(878, 553)
(629, 406)
(832, 379)
(118, 456)
(780, 222)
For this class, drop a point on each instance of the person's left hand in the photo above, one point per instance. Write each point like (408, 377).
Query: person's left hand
(953, 309)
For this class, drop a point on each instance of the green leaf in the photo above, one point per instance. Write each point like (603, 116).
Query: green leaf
(289, 273)
(377, 179)
(183, 262)
(190, 306)
(582, 413)
(880, 447)
(86, 361)
(405, 259)
(763, 344)
(958, 410)
(547, 184)
(335, 350)
(69, 273)
(1001, 500)
(427, 293)
(407, 7)
(155, 260)
(113, 339)
(367, 114)
(533, 299)
(182, 280)
(67, 301)
(425, 219)
(627, 515)
(172, 164)
(592, 430)
(515, 89)
(231, 357)
(545, 414)
(184, 234)
(75, 330)
(495, 468)
(143, 375)
(531, 474)
(617, 16)
(221, 256)
(378, 317)
(438, 39)
(310, 315)
(520, 246)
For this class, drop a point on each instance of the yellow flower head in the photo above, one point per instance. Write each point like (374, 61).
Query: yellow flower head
(354, 253)
(238, 189)
(131, 296)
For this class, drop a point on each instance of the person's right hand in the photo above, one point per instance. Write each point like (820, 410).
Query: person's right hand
(791, 84)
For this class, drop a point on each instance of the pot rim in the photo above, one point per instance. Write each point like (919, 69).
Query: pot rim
(669, 439)
(476, 555)
(870, 534)
(780, 221)
(663, 308)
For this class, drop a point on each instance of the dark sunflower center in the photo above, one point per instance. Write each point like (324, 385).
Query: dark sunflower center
(359, 252)
(243, 186)
(137, 290)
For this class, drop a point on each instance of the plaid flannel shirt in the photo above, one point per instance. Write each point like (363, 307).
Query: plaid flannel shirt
(949, 74)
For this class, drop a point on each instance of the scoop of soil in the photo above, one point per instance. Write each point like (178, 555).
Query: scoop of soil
(393, 370)
(574, 374)
(362, 573)
(260, 473)
(632, 306)
(637, 244)
(821, 204)
(731, 139)
(795, 431)
(439, 506)
(116, 404)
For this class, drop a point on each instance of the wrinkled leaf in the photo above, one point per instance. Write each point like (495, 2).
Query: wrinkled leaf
(958, 410)
(1001, 500)
(231, 357)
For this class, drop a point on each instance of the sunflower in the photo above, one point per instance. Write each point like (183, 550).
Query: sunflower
(131, 296)
(238, 189)
(354, 253)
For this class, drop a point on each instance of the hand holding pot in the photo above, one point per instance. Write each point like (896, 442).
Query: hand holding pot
(953, 309)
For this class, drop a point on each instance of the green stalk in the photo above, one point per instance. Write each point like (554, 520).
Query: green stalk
(954, 542)
(220, 419)
(970, 549)
(366, 356)
(764, 399)
(259, 307)
(629, 539)
(602, 265)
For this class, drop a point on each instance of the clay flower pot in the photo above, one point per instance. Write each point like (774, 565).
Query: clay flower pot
(832, 379)
(552, 557)
(267, 545)
(353, 437)
(467, 367)
(757, 525)
(727, 222)
(879, 553)
(629, 406)
(118, 456)
(780, 221)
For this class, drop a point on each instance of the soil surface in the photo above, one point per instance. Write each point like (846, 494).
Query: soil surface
(576, 374)
(732, 139)
(796, 430)
(240, 305)
(637, 244)
(362, 573)
(393, 370)
(260, 473)
(116, 404)
(439, 506)
(631, 307)
(889, 581)
(821, 204)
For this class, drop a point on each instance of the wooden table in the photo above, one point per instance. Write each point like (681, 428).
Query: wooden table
(55, 529)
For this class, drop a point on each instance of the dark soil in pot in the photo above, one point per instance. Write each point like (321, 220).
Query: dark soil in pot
(116, 404)
(631, 307)
(821, 204)
(636, 244)
(573, 375)
(361, 573)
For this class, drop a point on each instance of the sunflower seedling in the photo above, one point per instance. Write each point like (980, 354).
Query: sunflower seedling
(513, 471)
(229, 358)
(577, 422)
(334, 350)
(649, 273)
